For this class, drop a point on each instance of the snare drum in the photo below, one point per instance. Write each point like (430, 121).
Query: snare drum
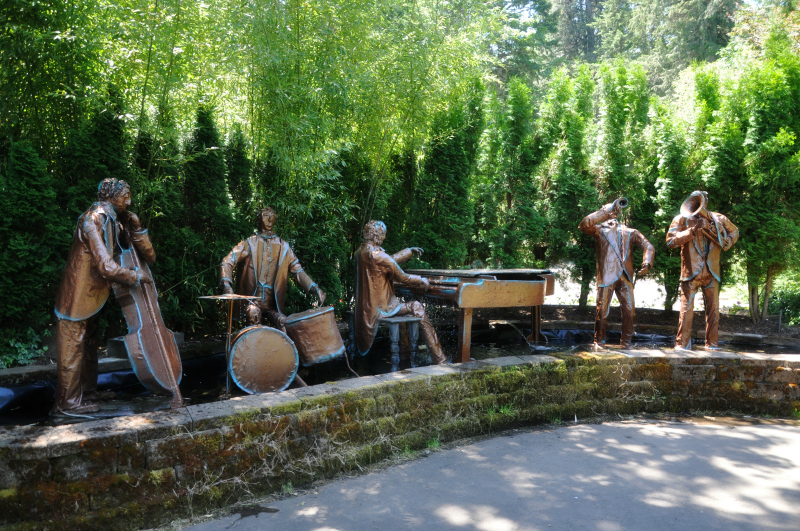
(316, 335)
(262, 360)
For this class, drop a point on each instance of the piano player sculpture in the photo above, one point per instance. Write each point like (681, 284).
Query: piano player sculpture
(376, 271)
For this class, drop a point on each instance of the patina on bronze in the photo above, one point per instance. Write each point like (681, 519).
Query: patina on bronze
(262, 360)
(702, 236)
(376, 271)
(263, 263)
(85, 287)
(315, 335)
(614, 244)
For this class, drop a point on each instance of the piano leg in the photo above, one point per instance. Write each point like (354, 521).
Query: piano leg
(536, 325)
(464, 335)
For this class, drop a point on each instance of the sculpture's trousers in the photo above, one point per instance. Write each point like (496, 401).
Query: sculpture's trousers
(77, 344)
(624, 291)
(428, 333)
(689, 288)
(257, 308)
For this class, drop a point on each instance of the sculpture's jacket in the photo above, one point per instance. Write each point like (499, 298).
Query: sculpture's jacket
(697, 250)
(375, 298)
(250, 256)
(614, 248)
(91, 267)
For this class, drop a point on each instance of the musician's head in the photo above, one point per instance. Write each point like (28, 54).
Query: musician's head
(266, 219)
(115, 191)
(375, 232)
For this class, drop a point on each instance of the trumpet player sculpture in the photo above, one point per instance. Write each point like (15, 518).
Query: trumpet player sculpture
(702, 236)
(614, 243)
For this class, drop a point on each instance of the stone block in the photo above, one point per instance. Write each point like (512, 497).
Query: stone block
(694, 373)
(539, 359)
(398, 376)
(160, 424)
(782, 375)
(760, 359)
(506, 361)
(343, 386)
(80, 438)
(74, 467)
(17, 473)
(435, 370)
(131, 458)
(217, 414)
(186, 449)
(24, 442)
(312, 391)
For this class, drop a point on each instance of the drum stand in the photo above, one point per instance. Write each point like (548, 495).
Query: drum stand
(230, 297)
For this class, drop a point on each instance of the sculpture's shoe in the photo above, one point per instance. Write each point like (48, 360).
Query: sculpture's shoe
(712, 347)
(84, 409)
(682, 349)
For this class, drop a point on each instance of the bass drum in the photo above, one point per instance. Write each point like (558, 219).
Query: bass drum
(262, 360)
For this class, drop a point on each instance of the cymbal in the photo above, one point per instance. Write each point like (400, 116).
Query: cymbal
(229, 297)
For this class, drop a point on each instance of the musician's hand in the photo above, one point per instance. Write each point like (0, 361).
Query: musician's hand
(227, 289)
(133, 221)
(700, 224)
(646, 267)
(612, 209)
(426, 283)
(144, 278)
(321, 296)
(416, 251)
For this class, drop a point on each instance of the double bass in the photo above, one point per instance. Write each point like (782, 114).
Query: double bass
(151, 346)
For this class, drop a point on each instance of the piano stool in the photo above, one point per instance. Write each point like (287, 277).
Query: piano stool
(412, 325)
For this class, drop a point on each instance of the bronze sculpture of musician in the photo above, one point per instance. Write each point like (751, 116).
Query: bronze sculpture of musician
(376, 271)
(264, 262)
(702, 236)
(614, 257)
(85, 285)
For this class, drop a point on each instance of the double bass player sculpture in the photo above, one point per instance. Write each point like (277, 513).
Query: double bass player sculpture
(110, 248)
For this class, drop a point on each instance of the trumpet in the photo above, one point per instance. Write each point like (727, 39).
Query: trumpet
(622, 202)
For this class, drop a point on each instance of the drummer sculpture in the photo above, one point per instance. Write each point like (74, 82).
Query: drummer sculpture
(702, 236)
(265, 262)
(85, 286)
(614, 243)
(375, 298)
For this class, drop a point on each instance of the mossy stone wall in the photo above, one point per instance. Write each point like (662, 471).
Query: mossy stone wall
(140, 471)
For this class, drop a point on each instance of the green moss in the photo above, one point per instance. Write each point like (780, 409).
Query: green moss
(243, 417)
(285, 409)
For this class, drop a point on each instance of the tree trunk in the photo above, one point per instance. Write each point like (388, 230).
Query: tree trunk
(670, 294)
(586, 280)
(767, 292)
(752, 301)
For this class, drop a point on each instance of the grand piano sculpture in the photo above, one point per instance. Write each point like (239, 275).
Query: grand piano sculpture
(483, 288)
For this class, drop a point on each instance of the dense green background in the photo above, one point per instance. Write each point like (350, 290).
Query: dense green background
(482, 131)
